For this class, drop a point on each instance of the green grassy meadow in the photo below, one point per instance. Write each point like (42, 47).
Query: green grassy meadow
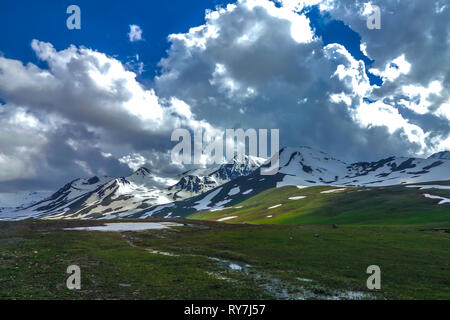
(295, 254)
(381, 206)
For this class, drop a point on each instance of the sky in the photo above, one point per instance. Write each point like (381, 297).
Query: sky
(104, 100)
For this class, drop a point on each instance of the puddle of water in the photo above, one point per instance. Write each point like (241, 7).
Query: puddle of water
(234, 266)
(162, 253)
(356, 295)
(288, 291)
(278, 288)
(128, 226)
(304, 279)
(220, 277)
(231, 265)
(350, 295)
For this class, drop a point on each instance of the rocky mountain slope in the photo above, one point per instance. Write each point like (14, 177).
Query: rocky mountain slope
(307, 167)
(21, 199)
(105, 197)
(140, 195)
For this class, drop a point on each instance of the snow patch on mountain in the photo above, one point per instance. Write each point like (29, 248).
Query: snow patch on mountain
(227, 218)
(305, 166)
(443, 200)
(429, 186)
(234, 191)
(297, 198)
(159, 208)
(333, 190)
(205, 203)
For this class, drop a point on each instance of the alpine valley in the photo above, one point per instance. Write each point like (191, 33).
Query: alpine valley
(309, 231)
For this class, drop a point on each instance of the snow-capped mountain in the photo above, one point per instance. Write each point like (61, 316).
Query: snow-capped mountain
(105, 197)
(307, 167)
(137, 191)
(140, 195)
(60, 200)
(21, 199)
(444, 155)
(198, 181)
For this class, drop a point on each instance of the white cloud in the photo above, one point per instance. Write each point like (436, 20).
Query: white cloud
(444, 110)
(341, 97)
(84, 106)
(299, 24)
(381, 114)
(419, 98)
(22, 137)
(85, 166)
(349, 70)
(135, 33)
(134, 161)
(393, 69)
(298, 5)
(248, 57)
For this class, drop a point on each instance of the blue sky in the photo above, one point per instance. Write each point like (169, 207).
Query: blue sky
(105, 25)
(336, 31)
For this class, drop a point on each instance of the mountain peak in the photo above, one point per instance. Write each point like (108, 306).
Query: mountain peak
(142, 171)
(443, 155)
(246, 159)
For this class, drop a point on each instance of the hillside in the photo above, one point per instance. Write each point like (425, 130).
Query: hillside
(142, 195)
(394, 205)
(306, 167)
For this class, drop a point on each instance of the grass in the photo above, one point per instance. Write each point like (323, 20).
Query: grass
(379, 206)
(294, 254)
(34, 267)
(282, 259)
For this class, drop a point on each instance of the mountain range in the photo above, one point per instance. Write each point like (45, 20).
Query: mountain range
(140, 195)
